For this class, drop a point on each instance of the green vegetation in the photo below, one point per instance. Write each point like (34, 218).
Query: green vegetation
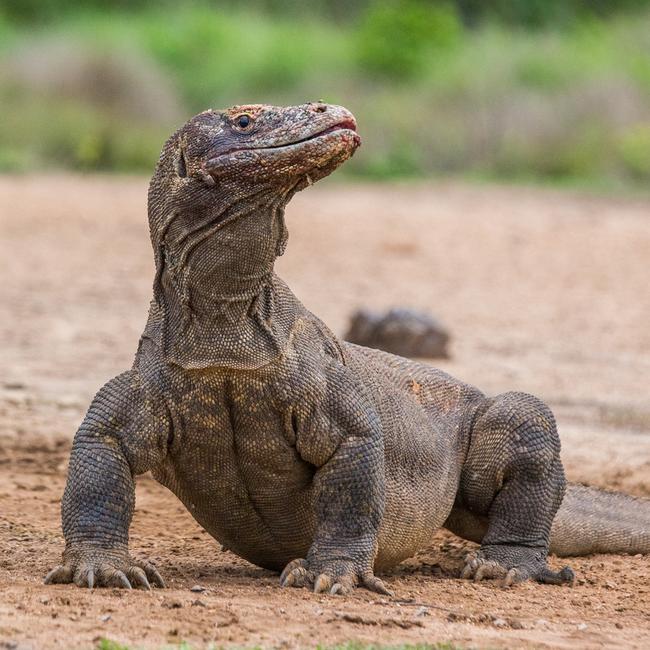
(545, 90)
(106, 644)
(396, 40)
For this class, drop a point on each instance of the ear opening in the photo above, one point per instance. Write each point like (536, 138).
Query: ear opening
(181, 165)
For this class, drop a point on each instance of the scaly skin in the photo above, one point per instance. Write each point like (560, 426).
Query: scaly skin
(295, 450)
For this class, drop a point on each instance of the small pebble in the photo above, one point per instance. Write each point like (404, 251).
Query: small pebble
(197, 589)
(105, 618)
(582, 626)
(499, 622)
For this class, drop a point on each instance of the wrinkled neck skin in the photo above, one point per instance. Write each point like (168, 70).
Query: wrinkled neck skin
(221, 262)
(214, 285)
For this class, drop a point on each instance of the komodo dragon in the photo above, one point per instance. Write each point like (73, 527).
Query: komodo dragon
(324, 460)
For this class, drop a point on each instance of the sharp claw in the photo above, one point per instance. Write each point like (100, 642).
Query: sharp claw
(471, 561)
(153, 575)
(372, 582)
(139, 578)
(90, 578)
(294, 564)
(564, 576)
(57, 575)
(288, 581)
(51, 575)
(380, 588)
(480, 573)
(49, 578)
(123, 580)
(466, 573)
(511, 578)
(323, 583)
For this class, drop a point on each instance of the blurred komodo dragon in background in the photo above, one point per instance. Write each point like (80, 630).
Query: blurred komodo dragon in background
(295, 450)
(402, 331)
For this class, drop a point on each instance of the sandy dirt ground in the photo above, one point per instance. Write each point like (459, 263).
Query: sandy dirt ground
(543, 291)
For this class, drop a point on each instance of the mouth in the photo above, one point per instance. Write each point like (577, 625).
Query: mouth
(344, 125)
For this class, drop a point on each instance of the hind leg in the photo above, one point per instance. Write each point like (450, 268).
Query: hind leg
(513, 475)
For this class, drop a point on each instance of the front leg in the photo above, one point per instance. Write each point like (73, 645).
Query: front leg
(341, 435)
(118, 438)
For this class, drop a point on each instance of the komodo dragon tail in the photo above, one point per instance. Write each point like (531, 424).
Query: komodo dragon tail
(596, 521)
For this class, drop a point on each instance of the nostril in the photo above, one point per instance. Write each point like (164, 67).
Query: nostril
(320, 108)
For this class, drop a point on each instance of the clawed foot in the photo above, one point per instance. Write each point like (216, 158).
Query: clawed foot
(513, 564)
(99, 568)
(334, 578)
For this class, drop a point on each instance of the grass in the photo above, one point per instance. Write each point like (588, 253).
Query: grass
(107, 644)
(97, 91)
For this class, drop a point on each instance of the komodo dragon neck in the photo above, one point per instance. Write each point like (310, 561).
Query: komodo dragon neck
(221, 305)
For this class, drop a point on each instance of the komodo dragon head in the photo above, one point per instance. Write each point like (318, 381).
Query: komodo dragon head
(271, 149)
(253, 157)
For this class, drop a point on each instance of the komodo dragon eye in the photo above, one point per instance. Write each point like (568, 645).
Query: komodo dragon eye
(244, 121)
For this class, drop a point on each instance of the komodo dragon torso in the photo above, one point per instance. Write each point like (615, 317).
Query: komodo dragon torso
(295, 450)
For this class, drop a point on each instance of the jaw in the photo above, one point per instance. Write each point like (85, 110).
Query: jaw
(293, 164)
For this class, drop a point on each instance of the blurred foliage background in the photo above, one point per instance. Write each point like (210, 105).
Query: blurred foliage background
(545, 90)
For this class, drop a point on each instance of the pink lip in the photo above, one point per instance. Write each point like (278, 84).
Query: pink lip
(348, 124)
(344, 125)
